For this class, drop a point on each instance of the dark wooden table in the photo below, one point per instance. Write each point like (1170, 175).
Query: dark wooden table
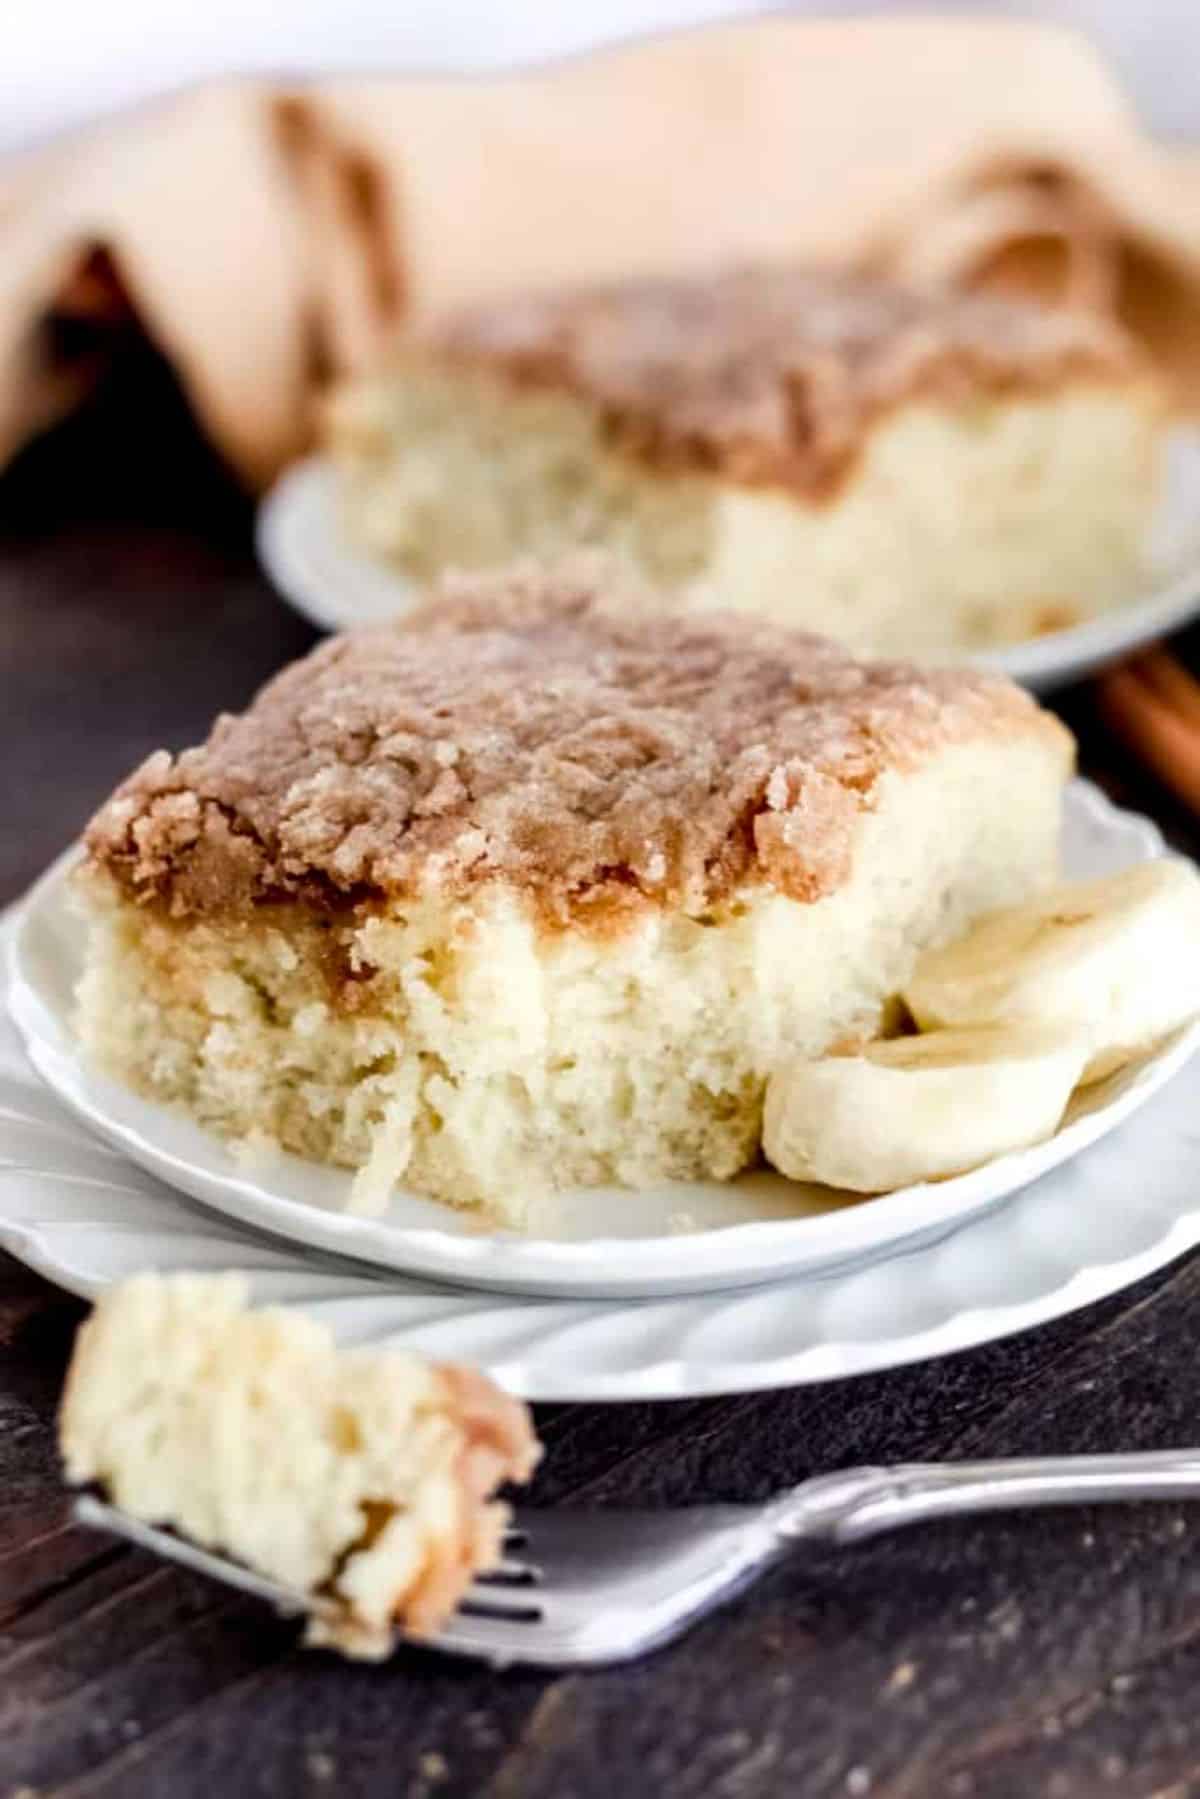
(1051, 1654)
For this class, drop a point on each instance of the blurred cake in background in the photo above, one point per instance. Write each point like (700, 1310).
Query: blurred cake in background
(910, 471)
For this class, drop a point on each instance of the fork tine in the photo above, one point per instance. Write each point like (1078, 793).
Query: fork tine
(511, 1574)
(597, 1593)
(96, 1514)
(520, 1605)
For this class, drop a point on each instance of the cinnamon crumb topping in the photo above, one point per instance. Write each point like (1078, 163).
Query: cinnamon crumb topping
(519, 730)
(773, 376)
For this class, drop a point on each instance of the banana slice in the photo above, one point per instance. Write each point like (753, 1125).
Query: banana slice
(919, 1108)
(1117, 958)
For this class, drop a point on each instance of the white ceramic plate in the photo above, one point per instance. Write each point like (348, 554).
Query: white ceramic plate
(599, 1242)
(83, 1215)
(302, 549)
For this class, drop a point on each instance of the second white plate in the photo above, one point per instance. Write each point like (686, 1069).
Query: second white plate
(82, 1215)
(303, 550)
(598, 1242)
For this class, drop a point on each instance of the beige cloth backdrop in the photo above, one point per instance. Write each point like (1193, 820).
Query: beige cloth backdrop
(270, 239)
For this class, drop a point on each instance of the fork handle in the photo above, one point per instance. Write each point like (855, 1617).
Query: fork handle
(861, 1502)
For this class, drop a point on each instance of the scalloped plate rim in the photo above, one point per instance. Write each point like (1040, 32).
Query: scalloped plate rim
(724, 1257)
(679, 1376)
(520, 1339)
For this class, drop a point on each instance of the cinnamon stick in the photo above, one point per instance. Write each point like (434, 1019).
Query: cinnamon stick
(1155, 710)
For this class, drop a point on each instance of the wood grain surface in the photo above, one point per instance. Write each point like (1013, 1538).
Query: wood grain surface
(1052, 1655)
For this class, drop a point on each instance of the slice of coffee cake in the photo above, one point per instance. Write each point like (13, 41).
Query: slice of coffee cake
(530, 891)
(908, 472)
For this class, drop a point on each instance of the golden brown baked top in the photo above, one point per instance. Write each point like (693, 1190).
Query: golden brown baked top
(519, 730)
(773, 376)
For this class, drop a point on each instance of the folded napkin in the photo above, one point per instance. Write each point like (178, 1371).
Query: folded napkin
(268, 238)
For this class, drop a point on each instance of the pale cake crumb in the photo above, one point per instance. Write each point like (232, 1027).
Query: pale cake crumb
(682, 1224)
(255, 1152)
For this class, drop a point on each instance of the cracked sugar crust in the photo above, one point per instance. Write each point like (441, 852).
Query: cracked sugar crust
(774, 376)
(519, 729)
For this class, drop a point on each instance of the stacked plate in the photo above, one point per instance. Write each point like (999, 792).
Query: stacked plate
(765, 1284)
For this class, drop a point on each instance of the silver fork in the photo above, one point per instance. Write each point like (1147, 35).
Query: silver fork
(579, 1587)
